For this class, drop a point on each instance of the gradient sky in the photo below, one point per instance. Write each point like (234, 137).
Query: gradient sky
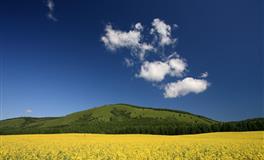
(52, 68)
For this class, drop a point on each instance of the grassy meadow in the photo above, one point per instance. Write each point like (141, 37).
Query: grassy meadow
(225, 145)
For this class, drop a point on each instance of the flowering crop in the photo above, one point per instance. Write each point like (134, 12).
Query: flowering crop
(239, 145)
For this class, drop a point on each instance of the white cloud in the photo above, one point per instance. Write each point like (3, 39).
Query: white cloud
(154, 71)
(204, 75)
(115, 39)
(177, 66)
(50, 4)
(157, 70)
(184, 87)
(28, 111)
(164, 32)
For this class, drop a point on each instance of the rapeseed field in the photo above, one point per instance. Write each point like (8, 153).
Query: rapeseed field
(211, 146)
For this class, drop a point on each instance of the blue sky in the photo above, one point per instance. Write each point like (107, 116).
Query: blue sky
(54, 62)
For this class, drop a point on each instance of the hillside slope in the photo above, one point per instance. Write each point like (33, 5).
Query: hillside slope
(117, 118)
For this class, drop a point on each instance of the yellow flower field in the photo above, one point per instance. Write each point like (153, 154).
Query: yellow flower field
(240, 145)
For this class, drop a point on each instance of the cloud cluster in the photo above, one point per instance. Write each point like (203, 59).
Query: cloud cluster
(160, 43)
(50, 4)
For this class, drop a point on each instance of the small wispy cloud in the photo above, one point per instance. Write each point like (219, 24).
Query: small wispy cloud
(204, 75)
(51, 6)
(129, 62)
(28, 110)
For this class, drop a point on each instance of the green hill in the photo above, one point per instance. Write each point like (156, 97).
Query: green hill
(117, 118)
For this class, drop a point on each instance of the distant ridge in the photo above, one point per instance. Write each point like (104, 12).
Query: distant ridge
(126, 119)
